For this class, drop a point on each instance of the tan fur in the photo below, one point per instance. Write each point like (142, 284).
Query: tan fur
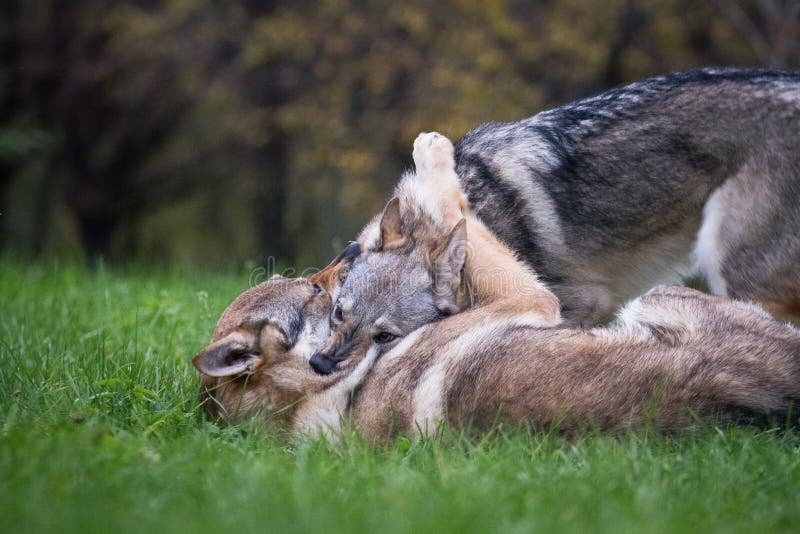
(502, 283)
(330, 276)
(279, 377)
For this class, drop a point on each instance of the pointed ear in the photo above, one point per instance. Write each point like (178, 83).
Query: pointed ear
(336, 271)
(229, 356)
(447, 262)
(391, 226)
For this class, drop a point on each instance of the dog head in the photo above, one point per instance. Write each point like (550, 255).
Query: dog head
(411, 277)
(257, 362)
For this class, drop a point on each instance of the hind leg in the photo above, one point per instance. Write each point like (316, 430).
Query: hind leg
(768, 275)
(748, 246)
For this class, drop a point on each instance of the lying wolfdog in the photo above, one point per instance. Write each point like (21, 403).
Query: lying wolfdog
(609, 196)
(675, 353)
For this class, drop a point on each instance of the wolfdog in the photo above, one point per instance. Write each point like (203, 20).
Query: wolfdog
(675, 353)
(611, 195)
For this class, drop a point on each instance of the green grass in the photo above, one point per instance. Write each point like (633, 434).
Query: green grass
(100, 432)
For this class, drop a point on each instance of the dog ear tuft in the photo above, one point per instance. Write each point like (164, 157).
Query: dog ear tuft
(336, 271)
(227, 357)
(391, 226)
(447, 262)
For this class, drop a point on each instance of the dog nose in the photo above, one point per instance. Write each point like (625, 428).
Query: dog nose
(322, 364)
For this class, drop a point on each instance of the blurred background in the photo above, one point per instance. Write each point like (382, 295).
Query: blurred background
(218, 132)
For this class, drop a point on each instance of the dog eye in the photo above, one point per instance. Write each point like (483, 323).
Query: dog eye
(317, 289)
(384, 337)
(338, 314)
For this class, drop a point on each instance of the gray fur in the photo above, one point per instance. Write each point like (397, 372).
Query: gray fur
(604, 197)
(389, 292)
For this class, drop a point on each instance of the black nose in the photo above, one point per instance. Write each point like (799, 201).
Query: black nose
(322, 364)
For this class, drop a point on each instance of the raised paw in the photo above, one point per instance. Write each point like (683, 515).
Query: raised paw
(433, 153)
(436, 182)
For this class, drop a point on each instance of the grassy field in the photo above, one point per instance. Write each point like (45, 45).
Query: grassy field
(100, 432)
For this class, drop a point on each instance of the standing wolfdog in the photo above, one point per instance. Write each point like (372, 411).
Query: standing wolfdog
(608, 196)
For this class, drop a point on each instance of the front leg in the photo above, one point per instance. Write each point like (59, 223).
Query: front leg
(502, 285)
(437, 179)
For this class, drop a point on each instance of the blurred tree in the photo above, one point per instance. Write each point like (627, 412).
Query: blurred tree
(213, 131)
